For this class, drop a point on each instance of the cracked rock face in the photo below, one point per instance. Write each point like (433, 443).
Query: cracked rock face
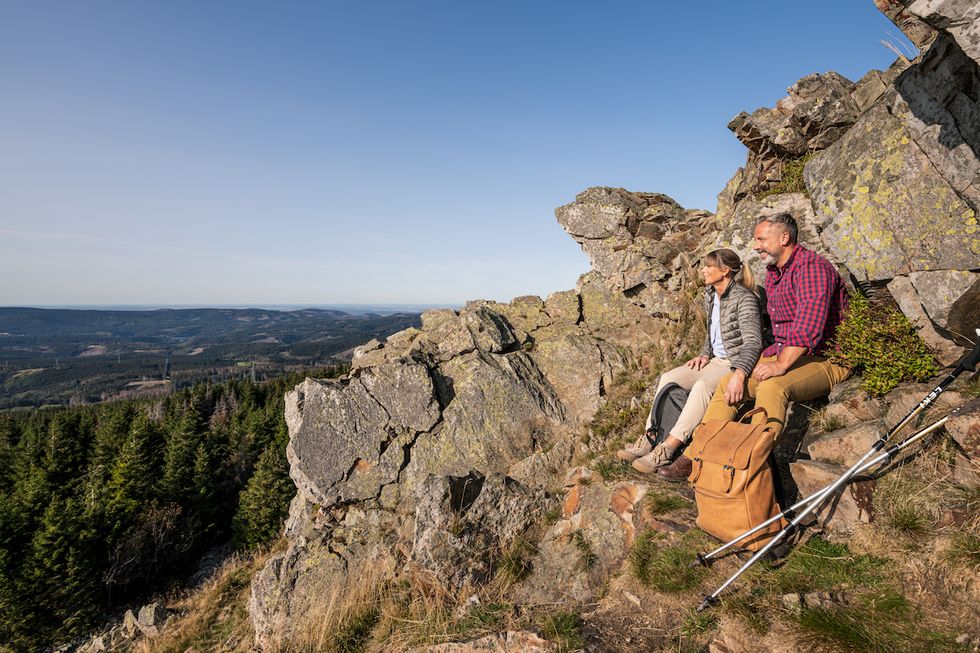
(464, 523)
(493, 390)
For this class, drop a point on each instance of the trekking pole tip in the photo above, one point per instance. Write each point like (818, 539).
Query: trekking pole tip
(708, 602)
(700, 560)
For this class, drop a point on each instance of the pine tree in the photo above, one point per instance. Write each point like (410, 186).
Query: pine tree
(264, 503)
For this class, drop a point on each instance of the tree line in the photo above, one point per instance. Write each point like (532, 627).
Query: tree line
(103, 505)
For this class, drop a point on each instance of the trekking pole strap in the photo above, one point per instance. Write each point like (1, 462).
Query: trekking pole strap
(970, 361)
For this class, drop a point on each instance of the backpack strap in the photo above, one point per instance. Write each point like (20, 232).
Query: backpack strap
(752, 412)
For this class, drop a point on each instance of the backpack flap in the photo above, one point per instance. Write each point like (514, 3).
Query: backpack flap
(722, 453)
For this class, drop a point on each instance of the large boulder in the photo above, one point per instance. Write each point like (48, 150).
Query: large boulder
(348, 439)
(493, 393)
(911, 304)
(883, 209)
(850, 506)
(593, 537)
(937, 103)
(464, 524)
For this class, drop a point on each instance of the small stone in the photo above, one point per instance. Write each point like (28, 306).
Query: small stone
(822, 599)
(792, 601)
(577, 475)
(153, 614)
(130, 624)
(632, 598)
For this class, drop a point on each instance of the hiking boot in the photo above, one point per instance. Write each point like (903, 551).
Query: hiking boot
(660, 456)
(679, 470)
(641, 447)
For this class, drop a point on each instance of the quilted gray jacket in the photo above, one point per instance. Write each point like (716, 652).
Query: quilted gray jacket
(741, 326)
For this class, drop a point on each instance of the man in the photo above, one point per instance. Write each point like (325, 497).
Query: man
(806, 301)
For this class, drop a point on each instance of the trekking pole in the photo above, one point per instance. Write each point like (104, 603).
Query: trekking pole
(968, 362)
(885, 457)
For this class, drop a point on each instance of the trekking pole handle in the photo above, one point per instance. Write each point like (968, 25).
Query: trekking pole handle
(969, 362)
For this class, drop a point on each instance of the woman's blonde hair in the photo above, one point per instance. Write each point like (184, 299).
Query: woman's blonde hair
(726, 258)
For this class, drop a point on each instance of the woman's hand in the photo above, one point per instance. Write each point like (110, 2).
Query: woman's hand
(697, 363)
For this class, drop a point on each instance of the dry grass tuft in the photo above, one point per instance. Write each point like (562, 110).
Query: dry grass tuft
(213, 617)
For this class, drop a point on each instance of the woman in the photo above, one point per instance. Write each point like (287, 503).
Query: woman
(733, 341)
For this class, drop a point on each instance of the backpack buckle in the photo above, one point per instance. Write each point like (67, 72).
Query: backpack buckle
(730, 472)
(696, 473)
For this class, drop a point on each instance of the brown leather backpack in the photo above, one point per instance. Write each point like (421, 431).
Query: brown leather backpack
(732, 479)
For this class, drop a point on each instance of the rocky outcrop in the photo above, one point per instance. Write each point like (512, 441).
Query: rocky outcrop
(447, 444)
(818, 109)
(639, 244)
(436, 449)
(958, 18)
(464, 524)
(883, 209)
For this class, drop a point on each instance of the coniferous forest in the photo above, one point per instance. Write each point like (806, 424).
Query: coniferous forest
(101, 506)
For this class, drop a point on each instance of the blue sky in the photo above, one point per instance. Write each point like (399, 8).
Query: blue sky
(371, 152)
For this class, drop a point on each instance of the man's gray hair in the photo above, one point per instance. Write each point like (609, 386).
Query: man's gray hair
(786, 221)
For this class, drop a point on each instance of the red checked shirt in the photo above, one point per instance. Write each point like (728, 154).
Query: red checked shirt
(806, 302)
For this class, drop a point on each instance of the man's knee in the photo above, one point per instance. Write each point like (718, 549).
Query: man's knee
(772, 389)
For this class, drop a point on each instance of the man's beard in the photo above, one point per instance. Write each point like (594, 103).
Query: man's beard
(766, 258)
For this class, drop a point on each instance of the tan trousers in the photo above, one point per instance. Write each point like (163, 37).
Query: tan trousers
(701, 385)
(809, 378)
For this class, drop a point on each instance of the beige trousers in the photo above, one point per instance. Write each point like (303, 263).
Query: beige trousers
(701, 384)
(809, 378)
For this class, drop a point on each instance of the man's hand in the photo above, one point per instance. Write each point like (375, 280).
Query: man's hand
(735, 390)
(697, 363)
(768, 370)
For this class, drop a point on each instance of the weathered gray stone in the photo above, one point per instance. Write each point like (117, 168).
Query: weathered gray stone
(610, 316)
(823, 108)
(567, 359)
(463, 525)
(593, 537)
(901, 288)
(937, 104)
(818, 109)
(951, 298)
(868, 90)
(850, 404)
(151, 618)
(347, 438)
(846, 446)
(291, 591)
(883, 209)
(905, 397)
(959, 18)
(632, 240)
(130, 624)
(502, 409)
(849, 507)
(508, 642)
(564, 306)
(964, 426)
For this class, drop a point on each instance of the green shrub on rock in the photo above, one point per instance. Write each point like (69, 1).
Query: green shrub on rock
(879, 343)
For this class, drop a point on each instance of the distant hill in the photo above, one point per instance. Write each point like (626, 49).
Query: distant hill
(80, 356)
